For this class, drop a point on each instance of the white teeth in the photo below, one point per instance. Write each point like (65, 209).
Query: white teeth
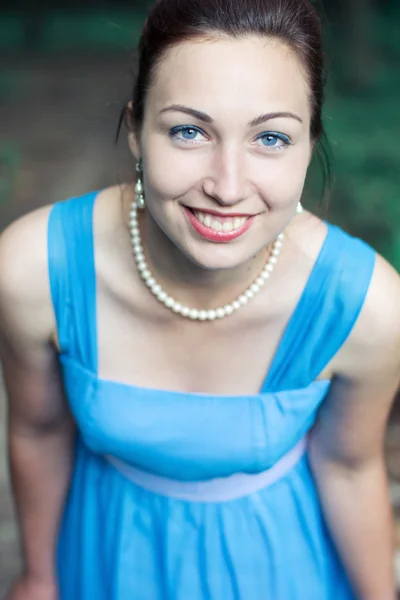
(200, 216)
(207, 221)
(227, 226)
(216, 225)
(224, 225)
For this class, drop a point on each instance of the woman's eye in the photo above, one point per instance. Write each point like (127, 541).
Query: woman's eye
(274, 141)
(185, 134)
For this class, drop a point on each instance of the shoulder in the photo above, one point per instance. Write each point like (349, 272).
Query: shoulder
(25, 303)
(364, 300)
(373, 347)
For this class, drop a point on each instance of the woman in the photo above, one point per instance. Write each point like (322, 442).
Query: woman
(199, 373)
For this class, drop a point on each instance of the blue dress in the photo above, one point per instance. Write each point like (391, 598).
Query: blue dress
(192, 496)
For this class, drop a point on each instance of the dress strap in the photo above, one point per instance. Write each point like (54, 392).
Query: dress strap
(328, 309)
(72, 277)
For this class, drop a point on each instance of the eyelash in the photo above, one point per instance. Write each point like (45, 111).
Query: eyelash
(173, 133)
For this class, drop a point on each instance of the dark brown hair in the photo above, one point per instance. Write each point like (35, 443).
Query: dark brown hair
(293, 22)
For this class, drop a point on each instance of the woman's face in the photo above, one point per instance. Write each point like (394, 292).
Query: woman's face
(225, 145)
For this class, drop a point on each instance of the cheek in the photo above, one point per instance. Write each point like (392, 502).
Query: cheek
(284, 178)
(167, 173)
(166, 181)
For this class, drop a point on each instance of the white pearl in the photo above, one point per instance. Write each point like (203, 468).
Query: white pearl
(202, 315)
(141, 265)
(139, 255)
(265, 275)
(272, 260)
(260, 281)
(269, 267)
(236, 305)
(220, 313)
(176, 307)
(162, 296)
(156, 288)
(185, 311)
(249, 294)
(169, 302)
(193, 313)
(276, 251)
(243, 299)
(255, 288)
(145, 273)
(139, 187)
(211, 315)
(228, 308)
(151, 281)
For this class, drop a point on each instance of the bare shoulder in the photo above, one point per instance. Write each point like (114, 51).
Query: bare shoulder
(25, 301)
(373, 347)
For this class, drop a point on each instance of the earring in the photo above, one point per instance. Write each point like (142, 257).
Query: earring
(299, 208)
(140, 201)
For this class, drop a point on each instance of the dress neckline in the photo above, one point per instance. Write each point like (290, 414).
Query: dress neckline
(69, 361)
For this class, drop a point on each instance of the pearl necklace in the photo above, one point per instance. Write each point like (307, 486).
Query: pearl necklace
(193, 313)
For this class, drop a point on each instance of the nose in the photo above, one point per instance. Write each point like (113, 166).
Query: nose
(227, 181)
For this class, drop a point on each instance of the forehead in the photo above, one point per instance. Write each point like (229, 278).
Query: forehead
(231, 73)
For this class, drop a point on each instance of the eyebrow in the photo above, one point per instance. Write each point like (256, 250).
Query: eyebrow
(201, 116)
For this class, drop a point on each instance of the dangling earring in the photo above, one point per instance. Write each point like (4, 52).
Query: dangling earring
(140, 201)
(299, 208)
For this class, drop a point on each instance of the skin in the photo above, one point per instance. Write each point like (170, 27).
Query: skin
(233, 81)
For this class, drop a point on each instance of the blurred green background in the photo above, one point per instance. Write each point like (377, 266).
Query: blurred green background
(67, 66)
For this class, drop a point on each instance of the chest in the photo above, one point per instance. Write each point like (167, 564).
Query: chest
(228, 356)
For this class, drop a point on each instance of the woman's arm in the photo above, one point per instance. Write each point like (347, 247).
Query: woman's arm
(40, 429)
(346, 445)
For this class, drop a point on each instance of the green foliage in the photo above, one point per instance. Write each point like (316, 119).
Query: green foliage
(363, 127)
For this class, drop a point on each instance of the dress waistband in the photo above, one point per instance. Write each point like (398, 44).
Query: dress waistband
(211, 490)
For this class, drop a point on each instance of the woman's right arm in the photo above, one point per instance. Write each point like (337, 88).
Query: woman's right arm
(40, 429)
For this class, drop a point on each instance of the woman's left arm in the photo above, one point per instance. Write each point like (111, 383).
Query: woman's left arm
(347, 443)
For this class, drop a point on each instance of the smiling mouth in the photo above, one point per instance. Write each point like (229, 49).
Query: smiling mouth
(218, 222)
(216, 227)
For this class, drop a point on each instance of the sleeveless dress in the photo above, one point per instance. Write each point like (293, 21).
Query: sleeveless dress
(179, 496)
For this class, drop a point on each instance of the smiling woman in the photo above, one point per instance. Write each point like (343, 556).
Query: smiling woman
(199, 372)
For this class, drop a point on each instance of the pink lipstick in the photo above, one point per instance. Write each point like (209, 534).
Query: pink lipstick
(218, 227)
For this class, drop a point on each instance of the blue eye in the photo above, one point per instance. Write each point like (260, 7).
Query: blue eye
(189, 133)
(273, 140)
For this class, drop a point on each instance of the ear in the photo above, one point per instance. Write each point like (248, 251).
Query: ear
(133, 140)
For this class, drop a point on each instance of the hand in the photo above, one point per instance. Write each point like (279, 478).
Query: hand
(27, 588)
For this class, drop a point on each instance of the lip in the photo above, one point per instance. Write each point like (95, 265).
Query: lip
(215, 213)
(217, 236)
